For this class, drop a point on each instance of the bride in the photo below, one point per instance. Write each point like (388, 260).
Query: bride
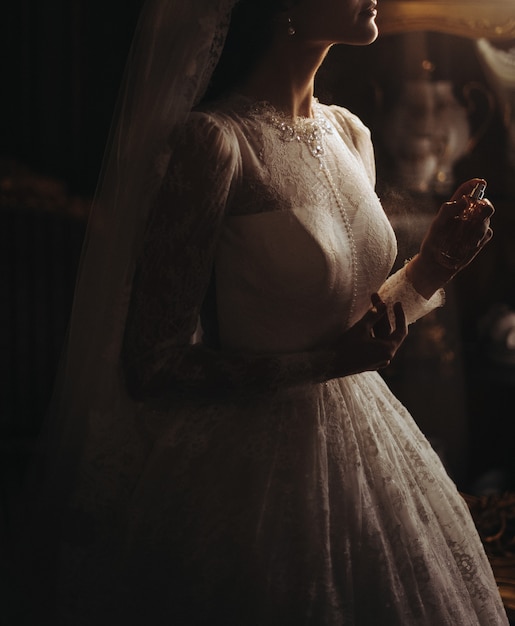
(222, 449)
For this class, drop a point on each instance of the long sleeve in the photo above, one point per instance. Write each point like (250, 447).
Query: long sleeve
(173, 276)
(398, 288)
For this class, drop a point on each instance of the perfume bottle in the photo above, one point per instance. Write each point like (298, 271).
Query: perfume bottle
(453, 251)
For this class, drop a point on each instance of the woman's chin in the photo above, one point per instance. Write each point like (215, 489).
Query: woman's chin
(366, 36)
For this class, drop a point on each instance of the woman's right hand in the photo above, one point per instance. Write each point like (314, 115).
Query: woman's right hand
(372, 342)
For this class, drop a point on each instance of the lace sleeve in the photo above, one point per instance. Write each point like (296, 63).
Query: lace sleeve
(173, 274)
(399, 289)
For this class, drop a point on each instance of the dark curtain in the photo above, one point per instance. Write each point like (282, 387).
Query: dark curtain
(63, 61)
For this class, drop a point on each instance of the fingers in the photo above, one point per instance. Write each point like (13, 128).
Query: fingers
(453, 208)
(376, 312)
(475, 229)
(373, 335)
(465, 188)
(392, 342)
(479, 231)
(486, 238)
(382, 328)
(462, 195)
(486, 208)
(380, 325)
(376, 299)
(383, 364)
(401, 326)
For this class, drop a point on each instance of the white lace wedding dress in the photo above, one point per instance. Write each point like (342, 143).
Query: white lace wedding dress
(270, 493)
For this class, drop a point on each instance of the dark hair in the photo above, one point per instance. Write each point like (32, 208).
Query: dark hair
(250, 33)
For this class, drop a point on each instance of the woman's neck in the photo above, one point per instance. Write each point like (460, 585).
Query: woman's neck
(285, 76)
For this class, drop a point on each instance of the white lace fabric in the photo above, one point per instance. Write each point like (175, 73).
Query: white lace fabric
(295, 498)
(246, 486)
(250, 197)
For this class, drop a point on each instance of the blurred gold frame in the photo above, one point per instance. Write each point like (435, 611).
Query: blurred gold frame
(493, 19)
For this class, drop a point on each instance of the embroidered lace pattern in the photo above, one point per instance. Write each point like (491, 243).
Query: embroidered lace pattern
(312, 131)
(303, 129)
(271, 493)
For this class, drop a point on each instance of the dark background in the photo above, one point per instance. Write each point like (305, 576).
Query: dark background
(62, 62)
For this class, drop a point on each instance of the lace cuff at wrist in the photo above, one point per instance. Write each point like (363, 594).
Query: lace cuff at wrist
(399, 289)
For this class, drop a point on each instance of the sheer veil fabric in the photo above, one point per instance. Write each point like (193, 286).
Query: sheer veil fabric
(175, 49)
(314, 502)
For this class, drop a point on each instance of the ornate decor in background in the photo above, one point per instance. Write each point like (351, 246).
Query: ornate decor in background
(428, 131)
(435, 123)
(21, 187)
(494, 517)
(434, 118)
(499, 65)
(492, 19)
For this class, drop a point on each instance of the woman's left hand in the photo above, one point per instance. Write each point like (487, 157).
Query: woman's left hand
(444, 241)
(446, 250)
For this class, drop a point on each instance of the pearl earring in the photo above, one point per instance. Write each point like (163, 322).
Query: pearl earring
(291, 27)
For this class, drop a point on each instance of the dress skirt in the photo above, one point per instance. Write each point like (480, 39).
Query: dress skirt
(320, 505)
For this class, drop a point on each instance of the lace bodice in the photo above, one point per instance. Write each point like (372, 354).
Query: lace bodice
(313, 497)
(273, 236)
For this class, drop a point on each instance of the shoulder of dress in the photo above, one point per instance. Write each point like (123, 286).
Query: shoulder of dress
(348, 124)
(201, 122)
(208, 130)
(346, 118)
(355, 134)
